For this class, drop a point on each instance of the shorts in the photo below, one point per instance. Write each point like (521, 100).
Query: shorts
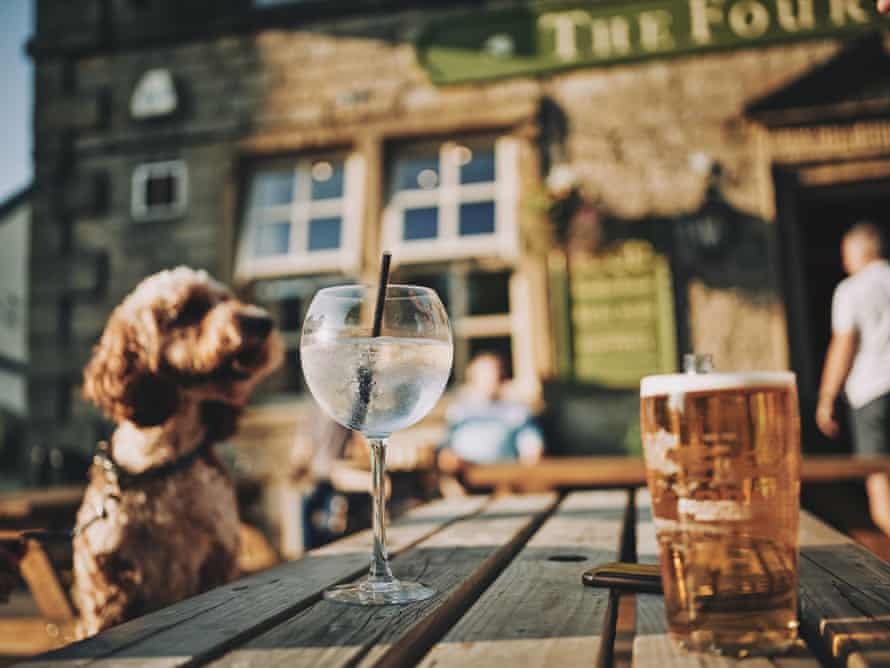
(871, 427)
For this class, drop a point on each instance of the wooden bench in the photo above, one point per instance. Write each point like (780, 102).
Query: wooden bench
(565, 473)
(507, 570)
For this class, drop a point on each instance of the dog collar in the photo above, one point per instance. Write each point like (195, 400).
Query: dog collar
(114, 473)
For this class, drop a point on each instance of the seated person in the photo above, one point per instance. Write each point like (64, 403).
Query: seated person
(483, 427)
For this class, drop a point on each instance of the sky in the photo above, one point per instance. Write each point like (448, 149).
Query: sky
(16, 82)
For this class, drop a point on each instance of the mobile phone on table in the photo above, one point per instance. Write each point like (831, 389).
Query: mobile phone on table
(645, 578)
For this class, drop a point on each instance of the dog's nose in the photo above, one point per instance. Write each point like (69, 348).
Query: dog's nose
(255, 325)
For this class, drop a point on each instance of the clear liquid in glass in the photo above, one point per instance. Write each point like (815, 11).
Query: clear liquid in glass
(405, 376)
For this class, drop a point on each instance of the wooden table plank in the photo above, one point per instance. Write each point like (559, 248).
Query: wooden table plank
(207, 624)
(590, 472)
(844, 596)
(537, 613)
(458, 562)
(653, 646)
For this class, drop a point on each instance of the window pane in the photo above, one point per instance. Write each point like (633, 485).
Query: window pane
(160, 190)
(287, 379)
(421, 223)
(324, 233)
(417, 173)
(476, 218)
(438, 282)
(477, 165)
(488, 293)
(287, 313)
(327, 179)
(273, 188)
(272, 239)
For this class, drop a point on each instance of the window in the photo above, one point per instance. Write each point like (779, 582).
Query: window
(288, 312)
(478, 304)
(453, 200)
(287, 300)
(302, 216)
(159, 190)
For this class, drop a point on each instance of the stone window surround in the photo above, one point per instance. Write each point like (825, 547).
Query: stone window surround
(140, 209)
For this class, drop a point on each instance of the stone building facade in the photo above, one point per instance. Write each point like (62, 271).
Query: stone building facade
(281, 145)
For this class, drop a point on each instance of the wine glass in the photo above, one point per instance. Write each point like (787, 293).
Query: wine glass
(376, 385)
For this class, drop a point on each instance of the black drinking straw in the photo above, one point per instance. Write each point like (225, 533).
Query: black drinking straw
(381, 293)
(365, 377)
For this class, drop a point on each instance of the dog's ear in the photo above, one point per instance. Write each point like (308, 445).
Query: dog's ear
(120, 380)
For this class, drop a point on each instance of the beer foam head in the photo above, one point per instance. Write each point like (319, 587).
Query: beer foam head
(683, 383)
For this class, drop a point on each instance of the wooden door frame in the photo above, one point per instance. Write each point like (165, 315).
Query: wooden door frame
(788, 187)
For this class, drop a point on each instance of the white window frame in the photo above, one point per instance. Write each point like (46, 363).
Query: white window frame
(139, 207)
(448, 197)
(299, 260)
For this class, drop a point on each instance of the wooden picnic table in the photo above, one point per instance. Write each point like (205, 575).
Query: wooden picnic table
(566, 473)
(507, 570)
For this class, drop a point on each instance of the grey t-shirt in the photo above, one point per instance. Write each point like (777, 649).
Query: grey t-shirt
(862, 304)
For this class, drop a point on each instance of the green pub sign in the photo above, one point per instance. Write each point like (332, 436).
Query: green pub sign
(549, 36)
(613, 315)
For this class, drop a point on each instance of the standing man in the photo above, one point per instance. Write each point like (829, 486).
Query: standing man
(884, 6)
(858, 358)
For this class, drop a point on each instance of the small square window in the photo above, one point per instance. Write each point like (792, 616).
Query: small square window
(421, 223)
(272, 239)
(324, 233)
(327, 179)
(476, 218)
(159, 190)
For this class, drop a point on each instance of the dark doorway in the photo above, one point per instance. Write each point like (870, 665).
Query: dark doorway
(813, 220)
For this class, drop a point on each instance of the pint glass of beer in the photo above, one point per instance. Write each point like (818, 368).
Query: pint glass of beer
(723, 467)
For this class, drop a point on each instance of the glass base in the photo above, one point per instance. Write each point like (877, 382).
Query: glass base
(739, 646)
(388, 592)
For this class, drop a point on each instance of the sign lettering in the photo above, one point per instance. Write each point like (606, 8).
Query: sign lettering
(585, 33)
(619, 317)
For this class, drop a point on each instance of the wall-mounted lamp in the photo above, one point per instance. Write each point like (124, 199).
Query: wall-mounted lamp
(706, 234)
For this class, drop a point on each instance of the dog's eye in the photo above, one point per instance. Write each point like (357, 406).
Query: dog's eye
(192, 311)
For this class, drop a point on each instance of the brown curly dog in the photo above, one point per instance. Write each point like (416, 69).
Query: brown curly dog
(159, 522)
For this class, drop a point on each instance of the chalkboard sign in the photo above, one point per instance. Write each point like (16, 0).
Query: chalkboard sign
(613, 315)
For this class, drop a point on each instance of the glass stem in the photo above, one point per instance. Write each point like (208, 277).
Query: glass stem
(380, 571)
